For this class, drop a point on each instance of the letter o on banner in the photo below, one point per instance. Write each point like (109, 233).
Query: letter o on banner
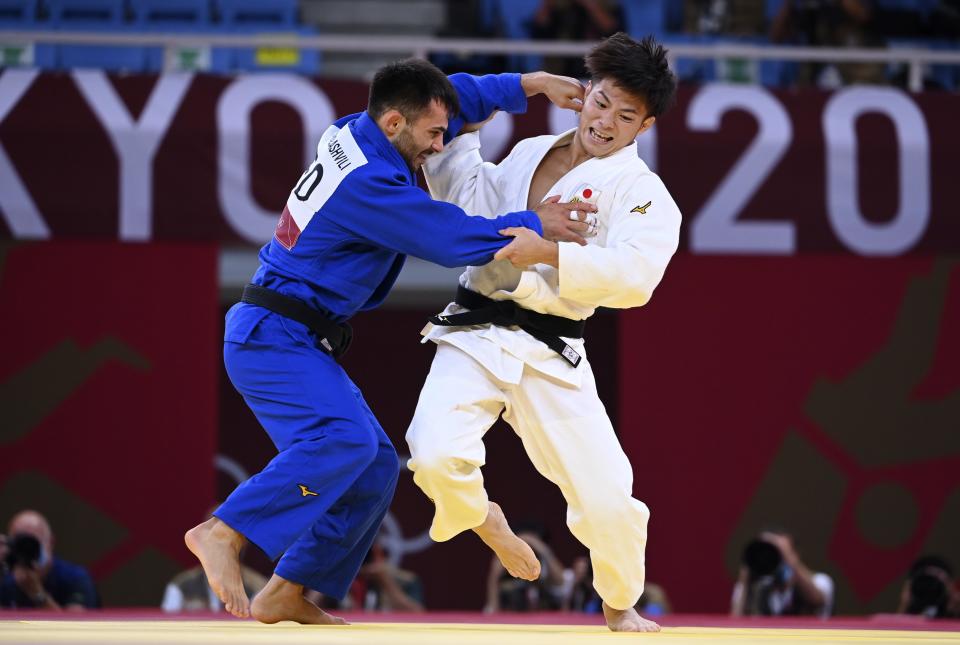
(910, 222)
(236, 104)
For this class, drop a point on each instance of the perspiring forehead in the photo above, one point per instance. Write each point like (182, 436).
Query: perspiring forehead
(612, 95)
(434, 118)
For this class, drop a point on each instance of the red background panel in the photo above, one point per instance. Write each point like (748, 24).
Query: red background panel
(728, 377)
(108, 377)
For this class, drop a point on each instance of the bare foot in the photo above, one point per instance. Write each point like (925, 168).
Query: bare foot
(283, 600)
(515, 555)
(217, 546)
(627, 620)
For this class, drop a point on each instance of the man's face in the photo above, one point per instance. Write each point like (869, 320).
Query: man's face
(611, 119)
(34, 524)
(418, 140)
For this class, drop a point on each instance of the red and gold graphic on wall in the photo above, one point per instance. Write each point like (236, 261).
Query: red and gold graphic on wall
(818, 395)
(108, 386)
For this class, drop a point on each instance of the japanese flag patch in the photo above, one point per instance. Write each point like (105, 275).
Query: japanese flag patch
(585, 193)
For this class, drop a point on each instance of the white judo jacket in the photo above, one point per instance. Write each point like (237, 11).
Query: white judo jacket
(638, 232)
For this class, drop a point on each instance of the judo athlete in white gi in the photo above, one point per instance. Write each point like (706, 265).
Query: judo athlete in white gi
(530, 363)
(342, 239)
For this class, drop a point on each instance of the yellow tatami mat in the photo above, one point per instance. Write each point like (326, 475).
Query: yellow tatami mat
(183, 632)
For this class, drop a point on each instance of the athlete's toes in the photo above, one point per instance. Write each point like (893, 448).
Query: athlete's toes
(536, 570)
(241, 607)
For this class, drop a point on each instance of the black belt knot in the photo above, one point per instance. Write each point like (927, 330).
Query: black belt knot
(335, 338)
(546, 328)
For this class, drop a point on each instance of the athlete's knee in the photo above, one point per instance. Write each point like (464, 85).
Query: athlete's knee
(389, 465)
(351, 443)
(617, 511)
(439, 461)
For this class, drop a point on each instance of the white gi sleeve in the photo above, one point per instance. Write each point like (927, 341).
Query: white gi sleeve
(644, 233)
(454, 175)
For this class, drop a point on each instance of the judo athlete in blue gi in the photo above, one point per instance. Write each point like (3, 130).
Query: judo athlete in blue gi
(347, 227)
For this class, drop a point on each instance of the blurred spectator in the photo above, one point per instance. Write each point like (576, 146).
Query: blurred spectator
(34, 577)
(708, 20)
(925, 24)
(944, 20)
(379, 586)
(898, 19)
(190, 591)
(724, 17)
(386, 587)
(506, 593)
(774, 581)
(583, 597)
(575, 20)
(830, 23)
(930, 589)
(469, 19)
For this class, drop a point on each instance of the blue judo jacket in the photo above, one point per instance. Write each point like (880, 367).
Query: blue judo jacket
(357, 212)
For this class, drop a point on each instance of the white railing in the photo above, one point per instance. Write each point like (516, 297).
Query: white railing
(421, 46)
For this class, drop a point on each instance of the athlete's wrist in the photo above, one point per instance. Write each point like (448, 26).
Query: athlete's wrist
(533, 83)
(550, 254)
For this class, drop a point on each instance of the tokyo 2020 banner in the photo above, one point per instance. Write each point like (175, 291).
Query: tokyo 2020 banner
(865, 170)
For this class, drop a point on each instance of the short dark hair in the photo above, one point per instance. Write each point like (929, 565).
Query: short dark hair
(639, 68)
(930, 562)
(410, 86)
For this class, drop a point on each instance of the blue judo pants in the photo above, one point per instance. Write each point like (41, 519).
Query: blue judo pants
(319, 503)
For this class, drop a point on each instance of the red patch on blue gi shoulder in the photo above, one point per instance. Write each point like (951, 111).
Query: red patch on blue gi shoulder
(287, 231)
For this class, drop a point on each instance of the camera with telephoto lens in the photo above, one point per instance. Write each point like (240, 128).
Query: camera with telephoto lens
(22, 550)
(763, 560)
(928, 583)
(767, 573)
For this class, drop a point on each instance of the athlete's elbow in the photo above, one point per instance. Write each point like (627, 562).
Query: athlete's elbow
(630, 298)
(452, 260)
(641, 289)
(628, 290)
(640, 281)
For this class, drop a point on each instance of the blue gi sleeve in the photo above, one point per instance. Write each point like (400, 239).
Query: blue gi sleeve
(402, 218)
(481, 95)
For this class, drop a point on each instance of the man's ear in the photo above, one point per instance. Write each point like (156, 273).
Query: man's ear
(391, 122)
(647, 124)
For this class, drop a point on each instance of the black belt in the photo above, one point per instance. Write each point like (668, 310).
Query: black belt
(506, 313)
(334, 337)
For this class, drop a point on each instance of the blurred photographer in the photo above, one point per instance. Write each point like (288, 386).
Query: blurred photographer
(930, 589)
(33, 577)
(830, 23)
(506, 593)
(774, 581)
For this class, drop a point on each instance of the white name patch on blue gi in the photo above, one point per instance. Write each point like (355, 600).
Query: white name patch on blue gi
(337, 156)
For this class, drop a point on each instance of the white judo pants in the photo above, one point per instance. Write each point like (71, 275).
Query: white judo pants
(568, 437)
